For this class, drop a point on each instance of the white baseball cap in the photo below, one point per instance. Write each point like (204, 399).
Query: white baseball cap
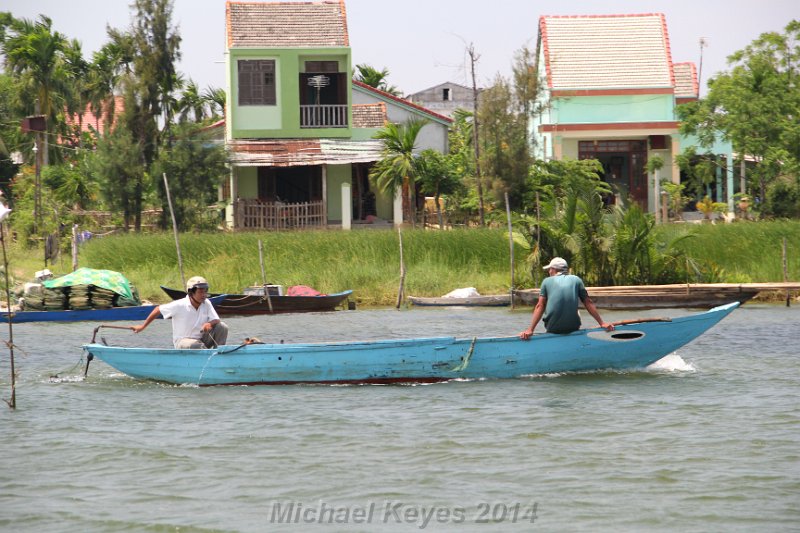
(558, 263)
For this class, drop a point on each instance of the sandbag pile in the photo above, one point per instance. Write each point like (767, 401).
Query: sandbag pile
(36, 297)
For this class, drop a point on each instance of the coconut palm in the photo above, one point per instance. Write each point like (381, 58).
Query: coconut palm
(216, 98)
(191, 103)
(373, 77)
(35, 55)
(396, 169)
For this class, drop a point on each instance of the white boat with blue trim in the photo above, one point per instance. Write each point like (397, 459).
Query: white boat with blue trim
(633, 344)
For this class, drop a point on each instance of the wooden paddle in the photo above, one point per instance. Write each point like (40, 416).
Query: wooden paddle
(94, 334)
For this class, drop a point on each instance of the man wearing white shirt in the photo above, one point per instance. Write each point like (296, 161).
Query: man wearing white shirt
(195, 323)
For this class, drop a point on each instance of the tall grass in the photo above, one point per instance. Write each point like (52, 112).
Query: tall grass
(744, 252)
(368, 261)
(329, 261)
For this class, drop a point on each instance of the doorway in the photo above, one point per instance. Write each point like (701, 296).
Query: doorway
(624, 163)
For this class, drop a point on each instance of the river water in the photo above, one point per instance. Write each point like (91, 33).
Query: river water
(708, 439)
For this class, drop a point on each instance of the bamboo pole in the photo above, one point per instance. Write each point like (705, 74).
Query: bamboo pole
(402, 270)
(74, 247)
(510, 249)
(174, 230)
(786, 273)
(264, 275)
(12, 402)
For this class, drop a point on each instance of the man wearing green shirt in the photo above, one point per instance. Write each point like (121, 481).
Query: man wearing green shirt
(558, 302)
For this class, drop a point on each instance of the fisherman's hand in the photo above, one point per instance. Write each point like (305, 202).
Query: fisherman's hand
(207, 327)
(137, 329)
(527, 334)
(607, 326)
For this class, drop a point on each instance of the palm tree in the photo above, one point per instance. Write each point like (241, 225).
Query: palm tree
(191, 102)
(397, 167)
(373, 77)
(110, 65)
(36, 56)
(216, 98)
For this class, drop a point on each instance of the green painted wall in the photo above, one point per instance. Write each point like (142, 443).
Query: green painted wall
(616, 109)
(364, 134)
(282, 120)
(247, 181)
(337, 174)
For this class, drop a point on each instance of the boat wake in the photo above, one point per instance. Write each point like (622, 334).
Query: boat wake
(671, 363)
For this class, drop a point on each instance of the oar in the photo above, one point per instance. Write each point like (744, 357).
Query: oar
(94, 334)
(89, 357)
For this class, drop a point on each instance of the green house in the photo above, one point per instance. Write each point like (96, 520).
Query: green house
(298, 131)
(610, 91)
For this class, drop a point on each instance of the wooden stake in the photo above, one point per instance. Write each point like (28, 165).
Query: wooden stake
(402, 270)
(510, 248)
(12, 403)
(74, 247)
(174, 230)
(264, 275)
(786, 273)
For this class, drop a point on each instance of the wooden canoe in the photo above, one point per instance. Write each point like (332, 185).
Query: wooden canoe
(246, 304)
(634, 344)
(695, 295)
(493, 300)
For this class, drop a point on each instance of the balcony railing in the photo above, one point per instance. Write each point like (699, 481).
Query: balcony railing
(255, 214)
(323, 116)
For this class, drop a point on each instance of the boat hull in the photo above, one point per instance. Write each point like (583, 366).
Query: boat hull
(413, 360)
(245, 304)
(653, 297)
(133, 313)
(495, 300)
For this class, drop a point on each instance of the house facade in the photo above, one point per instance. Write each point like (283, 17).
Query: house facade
(299, 132)
(444, 98)
(609, 92)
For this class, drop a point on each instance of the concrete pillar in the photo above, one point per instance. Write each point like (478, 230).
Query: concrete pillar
(347, 206)
(558, 148)
(230, 209)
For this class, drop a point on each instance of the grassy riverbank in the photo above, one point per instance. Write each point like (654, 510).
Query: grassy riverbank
(368, 261)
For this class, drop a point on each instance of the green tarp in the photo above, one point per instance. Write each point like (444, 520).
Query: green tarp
(106, 279)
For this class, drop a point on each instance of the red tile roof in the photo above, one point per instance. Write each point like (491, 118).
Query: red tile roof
(92, 122)
(369, 115)
(606, 51)
(286, 24)
(686, 85)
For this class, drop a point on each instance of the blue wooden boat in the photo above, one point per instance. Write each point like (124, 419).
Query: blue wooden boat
(133, 313)
(634, 344)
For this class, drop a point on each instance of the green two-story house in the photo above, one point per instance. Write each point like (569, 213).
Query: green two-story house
(299, 147)
(609, 92)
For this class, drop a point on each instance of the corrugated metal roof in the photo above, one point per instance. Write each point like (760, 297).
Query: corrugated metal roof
(301, 152)
(606, 51)
(286, 24)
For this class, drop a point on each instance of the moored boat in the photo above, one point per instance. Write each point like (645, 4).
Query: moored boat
(695, 295)
(634, 344)
(138, 312)
(253, 304)
(490, 300)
